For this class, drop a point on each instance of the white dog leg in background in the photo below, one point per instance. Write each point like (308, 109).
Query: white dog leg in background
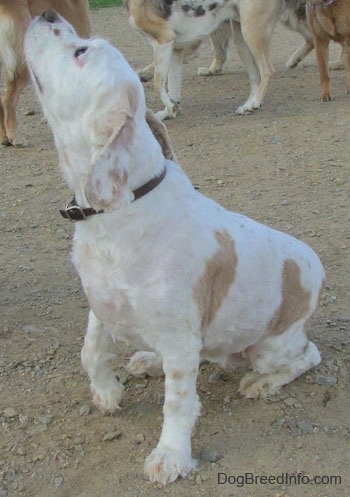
(163, 55)
(175, 79)
(172, 456)
(107, 391)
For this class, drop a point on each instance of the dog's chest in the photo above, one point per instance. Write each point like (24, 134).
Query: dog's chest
(104, 282)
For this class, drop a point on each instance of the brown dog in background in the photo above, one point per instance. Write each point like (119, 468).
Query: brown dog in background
(15, 16)
(329, 20)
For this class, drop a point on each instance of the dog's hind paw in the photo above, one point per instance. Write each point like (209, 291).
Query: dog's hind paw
(145, 363)
(166, 466)
(254, 385)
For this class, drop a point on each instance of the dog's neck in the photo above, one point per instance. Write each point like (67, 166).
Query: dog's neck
(146, 161)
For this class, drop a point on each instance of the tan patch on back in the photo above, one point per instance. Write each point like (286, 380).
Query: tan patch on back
(213, 286)
(295, 302)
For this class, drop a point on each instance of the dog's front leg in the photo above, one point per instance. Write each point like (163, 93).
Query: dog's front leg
(162, 57)
(107, 391)
(172, 457)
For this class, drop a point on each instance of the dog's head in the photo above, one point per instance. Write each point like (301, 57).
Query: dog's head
(94, 103)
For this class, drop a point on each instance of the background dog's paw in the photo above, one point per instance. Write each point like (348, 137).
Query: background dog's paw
(166, 466)
(169, 113)
(209, 71)
(145, 363)
(107, 400)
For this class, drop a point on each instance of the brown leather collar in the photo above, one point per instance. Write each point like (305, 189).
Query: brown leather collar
(74, 212)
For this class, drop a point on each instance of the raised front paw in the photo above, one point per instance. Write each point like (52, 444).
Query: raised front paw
(165, 466)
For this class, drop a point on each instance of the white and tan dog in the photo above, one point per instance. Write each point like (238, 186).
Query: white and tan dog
(15, 17)
(175, 27)
(163, 267)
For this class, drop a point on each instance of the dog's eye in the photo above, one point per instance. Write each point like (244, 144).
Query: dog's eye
(80, 51)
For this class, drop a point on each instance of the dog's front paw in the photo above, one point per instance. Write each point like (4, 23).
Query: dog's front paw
(144, 363)
(169, 112)
(248, 107)
(209, 71)
(108, 399)
(165, 466)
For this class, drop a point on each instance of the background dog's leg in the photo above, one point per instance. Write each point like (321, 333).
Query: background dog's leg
(10, 99)
(219, 40)
(301, 52)
(301, 27)
(341, 60)
(249, 63)
(257, 40)
(348, 70)
(163, 55)
(172, 457)
(322, 57)
(106, 389)
(175, 78)
(3, 137)
(147, 73)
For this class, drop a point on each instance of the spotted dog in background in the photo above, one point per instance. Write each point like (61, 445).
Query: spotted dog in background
(175, 27)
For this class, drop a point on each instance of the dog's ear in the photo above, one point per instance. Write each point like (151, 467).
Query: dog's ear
(160, 133)
(113, 136)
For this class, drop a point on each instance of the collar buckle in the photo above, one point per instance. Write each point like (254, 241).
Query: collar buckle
(73, 212)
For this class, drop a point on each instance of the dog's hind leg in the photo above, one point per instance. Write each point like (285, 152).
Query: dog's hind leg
(14, 88)
(219, 40)
(145, 363)
(106, 389)
(339, 64)
(278, 360)
(257, 39)
(250, 65)
(147, 73)
(297, 22)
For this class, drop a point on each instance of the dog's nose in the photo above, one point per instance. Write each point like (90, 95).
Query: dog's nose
(50, 16)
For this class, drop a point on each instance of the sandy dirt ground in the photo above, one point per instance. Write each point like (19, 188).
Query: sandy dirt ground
(287, 165)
